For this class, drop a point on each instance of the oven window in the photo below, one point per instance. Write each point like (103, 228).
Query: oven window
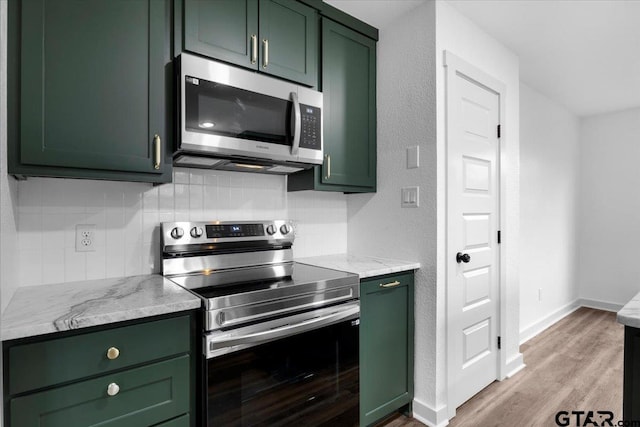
(218, 109)
(306, 379)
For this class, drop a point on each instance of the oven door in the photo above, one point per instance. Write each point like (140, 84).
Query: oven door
(226, 111)
(299, 370)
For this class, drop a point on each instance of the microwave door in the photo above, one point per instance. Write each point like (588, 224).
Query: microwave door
(217, 109)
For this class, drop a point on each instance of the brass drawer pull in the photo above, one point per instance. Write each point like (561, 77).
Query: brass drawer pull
(254, 48)
(113, 353)
(390, 285)
(328, 158)
(157, 146)
(265, 60)
(113, 389)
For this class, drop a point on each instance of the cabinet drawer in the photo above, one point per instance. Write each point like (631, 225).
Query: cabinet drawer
(55, 361)
(182, 421)
(147, 395)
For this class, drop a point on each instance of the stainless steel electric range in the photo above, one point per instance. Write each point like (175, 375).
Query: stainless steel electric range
(280, 338)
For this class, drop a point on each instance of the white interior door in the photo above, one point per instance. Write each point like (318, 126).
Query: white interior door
(473, 206)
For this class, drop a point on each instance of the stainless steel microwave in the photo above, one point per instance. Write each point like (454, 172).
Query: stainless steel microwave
(234, 119)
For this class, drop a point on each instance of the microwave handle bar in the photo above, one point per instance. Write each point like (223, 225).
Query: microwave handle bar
(297, 124)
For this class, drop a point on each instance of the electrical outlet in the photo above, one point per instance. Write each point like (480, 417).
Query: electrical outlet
(85, 237)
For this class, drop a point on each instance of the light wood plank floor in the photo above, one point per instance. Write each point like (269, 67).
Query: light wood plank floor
(574, 365)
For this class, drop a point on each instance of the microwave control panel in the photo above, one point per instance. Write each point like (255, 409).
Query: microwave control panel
(311, 127)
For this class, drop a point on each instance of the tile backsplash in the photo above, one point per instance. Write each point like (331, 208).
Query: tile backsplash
(127, 217)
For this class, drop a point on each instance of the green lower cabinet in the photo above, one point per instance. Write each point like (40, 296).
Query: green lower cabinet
(141, 397)
(386, 345)
(182, 421)
(130, 374)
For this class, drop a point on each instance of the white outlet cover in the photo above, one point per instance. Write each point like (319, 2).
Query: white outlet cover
(413, 157)
(85, 238)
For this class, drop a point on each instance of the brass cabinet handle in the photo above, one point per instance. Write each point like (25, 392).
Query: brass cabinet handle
(265, 59)
(113, 353)
(113, 389)
(390, 284)
(328, 158)
(254, 48)
(157, 142)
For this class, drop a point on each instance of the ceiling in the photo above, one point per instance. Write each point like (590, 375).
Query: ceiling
(584, 54)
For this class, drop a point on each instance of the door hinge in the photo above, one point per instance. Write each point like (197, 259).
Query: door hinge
(499, 237)
(499, 343)
(498, 131)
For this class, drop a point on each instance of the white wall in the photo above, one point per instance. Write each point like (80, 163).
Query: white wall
(609, 223)
(549, 166)
(460, 36)
(127, 216)
(377, 225)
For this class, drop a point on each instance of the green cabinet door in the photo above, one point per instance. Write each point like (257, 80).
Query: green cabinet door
(88, 83)
(289, 41)
(386, 345)
(349, 114)
(223, 29)
(138, 397)
(277, 37)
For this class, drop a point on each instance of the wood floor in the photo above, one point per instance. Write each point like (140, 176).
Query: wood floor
(575, 365)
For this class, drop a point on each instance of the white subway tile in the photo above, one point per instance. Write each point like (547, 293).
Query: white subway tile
(150, 200)
(165, 198)
(53, 266)
(196, 176)
(30, 195)
(75, 265)
(30, 262)
(180, 176)
(96, 264)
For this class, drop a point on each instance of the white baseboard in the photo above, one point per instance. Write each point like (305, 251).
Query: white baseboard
(514, 365)
(600, 305)
(532, 330)
(429, 416)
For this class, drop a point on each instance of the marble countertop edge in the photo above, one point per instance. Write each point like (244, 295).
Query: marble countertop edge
(629, 315)
(363, 266)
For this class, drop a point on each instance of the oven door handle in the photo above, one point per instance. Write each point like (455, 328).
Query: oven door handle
(238, 342)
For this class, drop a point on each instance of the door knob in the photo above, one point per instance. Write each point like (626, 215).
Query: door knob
(460, 257)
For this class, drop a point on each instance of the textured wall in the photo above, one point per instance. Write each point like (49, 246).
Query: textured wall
(127, 217)
(609, 223)
(378, 226)
(549, 165)
(463, 38)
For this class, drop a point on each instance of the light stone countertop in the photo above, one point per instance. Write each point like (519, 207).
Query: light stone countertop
(629, 315)
(44, 309)
(363, 266)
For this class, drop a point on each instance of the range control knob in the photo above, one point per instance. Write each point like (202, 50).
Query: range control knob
(271, 229)
(177, 233)
(285, 229)
(196, 232)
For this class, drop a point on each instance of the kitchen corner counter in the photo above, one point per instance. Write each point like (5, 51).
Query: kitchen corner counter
(629, 315)
(44, 309)
(363, 266)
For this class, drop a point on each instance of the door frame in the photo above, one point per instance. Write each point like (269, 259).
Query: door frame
(455, 65)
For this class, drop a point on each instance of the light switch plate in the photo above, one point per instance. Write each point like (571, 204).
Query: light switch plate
(413, 157)
(410, 197)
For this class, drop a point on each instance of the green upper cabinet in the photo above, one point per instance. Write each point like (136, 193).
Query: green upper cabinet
(349, 114)
(386, 345)
(277, 37)
(88, 89)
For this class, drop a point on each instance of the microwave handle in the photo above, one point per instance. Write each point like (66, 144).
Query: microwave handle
(297, 123)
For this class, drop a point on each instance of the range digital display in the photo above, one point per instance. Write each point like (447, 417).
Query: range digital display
(234, 230)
